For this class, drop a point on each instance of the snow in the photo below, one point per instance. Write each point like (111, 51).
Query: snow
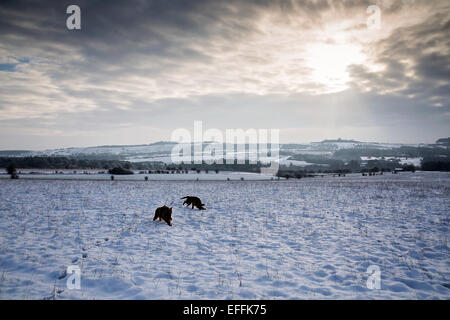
(299, 163)
(162, 151)
(414, 161)
(307, 238)
(94, 175)
(417, 161)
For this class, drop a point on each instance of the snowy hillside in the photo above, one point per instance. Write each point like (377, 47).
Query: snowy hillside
(161, 151)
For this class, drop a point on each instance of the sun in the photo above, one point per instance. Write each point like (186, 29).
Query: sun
(330, 62)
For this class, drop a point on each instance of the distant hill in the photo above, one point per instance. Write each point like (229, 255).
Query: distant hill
(443, 141)
(340, 140)
(161, 151)
(18, 153)
(163, 143)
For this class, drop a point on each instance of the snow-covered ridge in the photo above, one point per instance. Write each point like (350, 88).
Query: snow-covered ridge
(161, 151)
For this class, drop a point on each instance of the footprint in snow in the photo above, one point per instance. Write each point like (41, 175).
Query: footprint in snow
(62, 275)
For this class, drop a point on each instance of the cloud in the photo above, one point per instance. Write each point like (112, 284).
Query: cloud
(415, 63)
(156, 64)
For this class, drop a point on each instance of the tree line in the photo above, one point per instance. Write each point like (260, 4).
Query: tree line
(40, 162)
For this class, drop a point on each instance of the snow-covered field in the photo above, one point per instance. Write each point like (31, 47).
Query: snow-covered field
(402, 160)
(308, 238)
(190, 176)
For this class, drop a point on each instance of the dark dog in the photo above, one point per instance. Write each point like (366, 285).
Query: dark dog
(164, 213)
(194, 201)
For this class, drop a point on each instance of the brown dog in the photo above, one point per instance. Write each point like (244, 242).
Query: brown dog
(164, 213)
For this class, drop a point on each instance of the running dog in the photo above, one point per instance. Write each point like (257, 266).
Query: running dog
(164, 213)
(194, 201)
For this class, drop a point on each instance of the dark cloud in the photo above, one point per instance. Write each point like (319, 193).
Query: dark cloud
(416, 62)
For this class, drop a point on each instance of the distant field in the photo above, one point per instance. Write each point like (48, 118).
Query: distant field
(294, 239)
(93, 175)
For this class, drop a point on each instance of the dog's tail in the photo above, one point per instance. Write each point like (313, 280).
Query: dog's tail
(185, 197)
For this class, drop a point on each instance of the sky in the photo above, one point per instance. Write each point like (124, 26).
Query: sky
(138, 70)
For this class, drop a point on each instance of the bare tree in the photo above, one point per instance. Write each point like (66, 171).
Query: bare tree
(11, 169)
